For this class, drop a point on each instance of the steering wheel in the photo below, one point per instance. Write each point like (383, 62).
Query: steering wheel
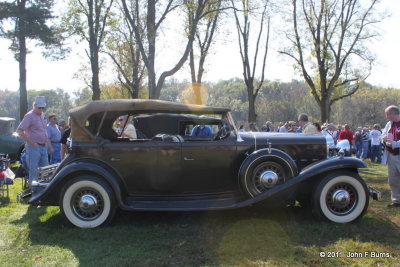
(223, 132)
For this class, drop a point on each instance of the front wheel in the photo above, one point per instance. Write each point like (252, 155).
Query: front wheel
(88, 202)
(341, 198)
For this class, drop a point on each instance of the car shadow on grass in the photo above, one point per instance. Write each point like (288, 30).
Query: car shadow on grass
(249, 236)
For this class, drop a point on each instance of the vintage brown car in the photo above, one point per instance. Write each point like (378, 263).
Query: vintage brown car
(167, 169)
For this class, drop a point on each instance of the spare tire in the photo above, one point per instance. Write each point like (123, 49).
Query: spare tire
(264, 169)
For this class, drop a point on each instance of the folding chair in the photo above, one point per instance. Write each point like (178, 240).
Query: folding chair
(6, 178)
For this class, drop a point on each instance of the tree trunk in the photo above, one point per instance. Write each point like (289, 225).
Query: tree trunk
(252, 108)
(325, 110)
(23, 96)
(94, 60)
(151, 37)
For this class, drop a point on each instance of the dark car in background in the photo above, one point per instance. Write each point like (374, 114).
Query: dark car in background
(10, 143)
(166, 169)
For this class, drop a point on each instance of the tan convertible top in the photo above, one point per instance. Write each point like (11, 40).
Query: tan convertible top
(80, 114)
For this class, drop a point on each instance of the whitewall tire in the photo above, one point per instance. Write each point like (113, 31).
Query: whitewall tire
(341, 198)
(87, 202)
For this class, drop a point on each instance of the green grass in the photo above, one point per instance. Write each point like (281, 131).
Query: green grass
(253, 236)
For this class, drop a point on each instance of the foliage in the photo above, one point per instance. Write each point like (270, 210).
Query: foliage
(122, 48)
(89, 20)
(328, 41)
(29, 20)
(36, 17)
(58, 102)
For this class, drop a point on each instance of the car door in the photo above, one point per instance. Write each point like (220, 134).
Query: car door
(146, 166)
(208, 165)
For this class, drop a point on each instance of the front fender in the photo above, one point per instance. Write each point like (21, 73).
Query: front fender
(51, 193)
(305, 175)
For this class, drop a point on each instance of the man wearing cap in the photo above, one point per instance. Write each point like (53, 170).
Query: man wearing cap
(54, 135)
(331, 130)
(307, 126)
(391, 138)
(32, 129)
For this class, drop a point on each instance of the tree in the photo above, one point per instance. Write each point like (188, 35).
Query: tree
(89, 20)
(328, 44)
(122, 48)
(28, 20)
(155, 13)
(205, 34)
(243, 22)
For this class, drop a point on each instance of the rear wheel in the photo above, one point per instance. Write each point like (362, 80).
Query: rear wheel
(88, 202)
(341, 198)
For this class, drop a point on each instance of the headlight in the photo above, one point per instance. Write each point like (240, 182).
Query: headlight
(343, 147)
(330, 145)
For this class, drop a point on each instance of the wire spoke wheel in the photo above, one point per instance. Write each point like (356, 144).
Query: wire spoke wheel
(266, 175)
(341, 199)
(87, 204)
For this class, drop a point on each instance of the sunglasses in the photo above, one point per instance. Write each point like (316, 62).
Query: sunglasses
(41, 108)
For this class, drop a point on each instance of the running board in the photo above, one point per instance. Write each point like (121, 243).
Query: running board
(182, 205)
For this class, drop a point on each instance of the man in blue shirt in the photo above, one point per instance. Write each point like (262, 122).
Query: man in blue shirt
(201, 130)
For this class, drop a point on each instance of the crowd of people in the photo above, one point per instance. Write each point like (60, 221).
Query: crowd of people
(365, 141)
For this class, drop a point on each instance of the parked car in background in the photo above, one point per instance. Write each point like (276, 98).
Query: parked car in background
(10, 142)
(167, 169)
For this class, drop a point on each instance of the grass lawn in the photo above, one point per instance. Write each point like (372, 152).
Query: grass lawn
(253, 236)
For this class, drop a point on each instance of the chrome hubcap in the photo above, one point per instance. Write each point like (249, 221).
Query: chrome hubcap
(269, 179)
(88, 203)
(267, 175)
(341, 198)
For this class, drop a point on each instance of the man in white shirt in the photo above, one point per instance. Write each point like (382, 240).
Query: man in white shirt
(127, 127)
(376, 149)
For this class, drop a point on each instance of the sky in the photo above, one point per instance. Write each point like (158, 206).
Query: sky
(223, 63)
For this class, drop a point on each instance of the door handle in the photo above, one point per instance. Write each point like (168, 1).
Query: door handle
(185, 158)
(115, 159)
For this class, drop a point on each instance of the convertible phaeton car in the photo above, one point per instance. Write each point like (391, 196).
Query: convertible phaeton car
(168, 168)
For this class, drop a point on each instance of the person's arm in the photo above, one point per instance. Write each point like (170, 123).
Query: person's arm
(50, 146)
(48, 142)
(63, 148)
(22, 134)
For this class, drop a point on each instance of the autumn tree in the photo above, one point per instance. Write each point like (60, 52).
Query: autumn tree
(24, 20)
(247, 12)
(89, 21)
(329, 41)
(154, 14)
(204, 38)
(123, 50)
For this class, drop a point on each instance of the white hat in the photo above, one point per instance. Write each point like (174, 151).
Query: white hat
(40, 101)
